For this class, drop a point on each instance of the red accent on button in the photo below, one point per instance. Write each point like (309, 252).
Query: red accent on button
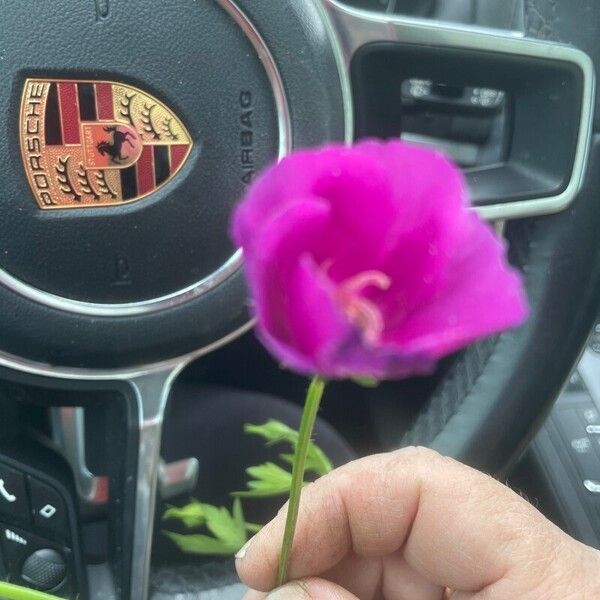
(145, 171)
(178, 154)
(104, 101)
(69, 112)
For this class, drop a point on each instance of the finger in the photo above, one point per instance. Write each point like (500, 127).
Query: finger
(455, 526)
(307, 589)
(358, 574)
(403, 582)
(391, 578)
(569, 571)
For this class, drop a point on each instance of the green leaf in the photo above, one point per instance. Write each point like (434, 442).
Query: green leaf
(273, 432)
(277, 432)
(224, 526)
(201, 544)
(366, 382)
(191, 515)
(238, 514)
(287, 458)
(317, 461)
(229, 531)
(267, 480)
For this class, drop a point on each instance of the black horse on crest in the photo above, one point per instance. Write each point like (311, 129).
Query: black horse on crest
(114, 149)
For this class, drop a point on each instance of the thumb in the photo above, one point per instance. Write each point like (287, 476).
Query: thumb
(304, 589)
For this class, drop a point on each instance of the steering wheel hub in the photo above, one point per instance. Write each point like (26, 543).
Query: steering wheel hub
(125, 156)
(184, 135)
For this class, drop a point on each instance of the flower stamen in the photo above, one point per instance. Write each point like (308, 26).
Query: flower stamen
(365, 279)
(361, 311)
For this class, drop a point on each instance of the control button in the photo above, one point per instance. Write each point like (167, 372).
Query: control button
(44, 570)
(590, 415)
(575, 383)
(15, 538)
(18, 546)
(48, 507)
(592, 486)
(593, 429)
(579, 444)
(486, 97)
(48, 511)
(13, 498)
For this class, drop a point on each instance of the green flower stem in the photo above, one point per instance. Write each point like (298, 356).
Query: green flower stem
(8, 591)
(307, 424)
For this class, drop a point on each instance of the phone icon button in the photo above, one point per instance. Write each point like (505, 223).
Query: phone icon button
(5, 493)
(13, 495)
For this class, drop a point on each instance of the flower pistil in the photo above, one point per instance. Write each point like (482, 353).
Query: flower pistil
(361, 311)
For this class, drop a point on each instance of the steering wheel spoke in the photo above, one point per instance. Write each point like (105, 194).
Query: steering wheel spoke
(544, 82)
(151, 392)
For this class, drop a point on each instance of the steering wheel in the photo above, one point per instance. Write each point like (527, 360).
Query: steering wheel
(131, 128)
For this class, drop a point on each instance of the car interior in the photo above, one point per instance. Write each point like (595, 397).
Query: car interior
(128, 361)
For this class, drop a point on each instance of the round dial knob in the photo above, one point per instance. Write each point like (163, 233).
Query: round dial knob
(45, 569)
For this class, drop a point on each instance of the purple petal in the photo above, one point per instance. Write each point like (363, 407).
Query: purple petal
(270, 195)
(349, 182)
(352, 358)
(295, 325)
(321, 225)
(430, 190)
(316, 320)
(432, 220)
(482, 296)
(276, 254)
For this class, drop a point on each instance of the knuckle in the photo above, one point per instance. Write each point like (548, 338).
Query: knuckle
(415, 457)
(419, 453)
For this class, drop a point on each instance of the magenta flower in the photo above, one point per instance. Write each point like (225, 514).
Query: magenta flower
(367, 261)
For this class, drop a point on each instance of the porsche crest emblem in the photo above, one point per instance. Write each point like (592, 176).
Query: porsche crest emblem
(97, 143)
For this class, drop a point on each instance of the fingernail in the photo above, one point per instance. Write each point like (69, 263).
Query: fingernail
(252, 595)
(282, 594)
(289, 592)
(239, 555)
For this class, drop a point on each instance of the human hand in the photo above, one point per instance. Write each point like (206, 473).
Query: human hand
(409, 524)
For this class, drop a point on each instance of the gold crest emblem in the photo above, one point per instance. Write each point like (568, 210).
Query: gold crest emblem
(97, 143)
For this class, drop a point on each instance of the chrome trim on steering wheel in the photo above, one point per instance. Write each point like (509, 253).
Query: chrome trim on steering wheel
(353, 28)
(68, 433)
